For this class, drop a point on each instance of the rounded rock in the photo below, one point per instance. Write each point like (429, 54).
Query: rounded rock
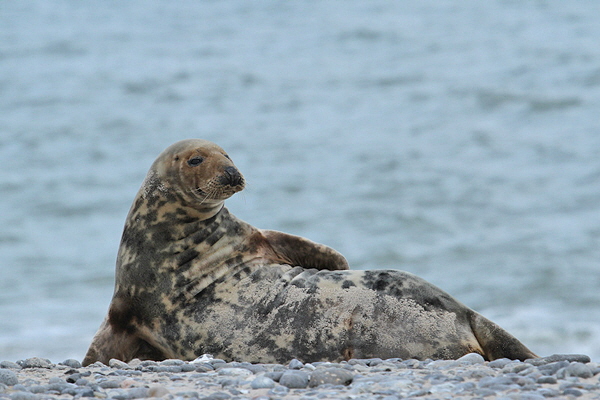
(295, 364)
(9, 365)
(217, 396)
(114, 363)
(472, 358)
(279, 390)
(582, 358)
(110, 384)
(499, 363)
(333, 376)
(172, 361)
(72, 363)
(138, 393)
(23, 396)
(8, 377)
(577, 369)
(36, 362)
(262, 382)
(275, 375)
(234, 372)
(294, 379)
(546, 379)
(572, 392)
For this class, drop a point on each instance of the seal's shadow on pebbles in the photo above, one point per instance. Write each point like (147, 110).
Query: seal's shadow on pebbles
(192, 279)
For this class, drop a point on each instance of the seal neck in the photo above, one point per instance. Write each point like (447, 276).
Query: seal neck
(168, 202)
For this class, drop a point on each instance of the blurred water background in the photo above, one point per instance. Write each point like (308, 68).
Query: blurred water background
(459, 141)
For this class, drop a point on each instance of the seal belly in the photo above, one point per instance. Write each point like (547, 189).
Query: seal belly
(278, 313)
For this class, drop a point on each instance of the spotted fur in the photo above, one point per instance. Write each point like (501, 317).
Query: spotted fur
(191, 279)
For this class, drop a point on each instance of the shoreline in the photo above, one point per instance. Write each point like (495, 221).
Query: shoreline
(558, 376)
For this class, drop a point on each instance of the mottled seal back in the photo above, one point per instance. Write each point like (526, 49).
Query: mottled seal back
(191, 279)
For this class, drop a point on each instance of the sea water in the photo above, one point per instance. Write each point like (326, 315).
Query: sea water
(459, 141)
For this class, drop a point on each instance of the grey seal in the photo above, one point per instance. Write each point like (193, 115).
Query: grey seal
(191, 279)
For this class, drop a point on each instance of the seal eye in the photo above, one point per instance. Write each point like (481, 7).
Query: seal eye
(195, 161)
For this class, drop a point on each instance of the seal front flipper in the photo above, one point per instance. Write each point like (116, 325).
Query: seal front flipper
(108, 344)
(113, 340)
(298, 251)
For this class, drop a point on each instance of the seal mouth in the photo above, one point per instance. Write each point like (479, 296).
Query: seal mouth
(218, 191)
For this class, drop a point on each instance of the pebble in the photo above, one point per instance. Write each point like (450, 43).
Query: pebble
(35, 362)
(333, 376)
(582, 358)
(8, 377)
(71, 363)
(114, 363)
(472, 358)
(294, 379)
(295, 364)
(10, 365)
(262, 382)
(558, 376)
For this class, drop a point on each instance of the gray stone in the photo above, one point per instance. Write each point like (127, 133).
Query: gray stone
(10, 365)
(275, 375)
(546, 379)
(190, 394)
(575, 369)
(137, 393)
(531, 396)
(217, 396)
(497, 383)
(173, 369)
(234, 372)
(279, 390)
(188, 367)
(499, 363)
(23, 396)
(172, 361)
(295, 364)
(8, 377)
(465, 387)
(203, 367)
(294, 379)
(71, 363)
(262, 382)
(334, 376)
(552, 368)
(548, 392)
(110, 384)
(472, 358)
(582, 358)
(572, 392)
(114, 363)
(84, 392)
(37, 389)
(35, 362)
(484, 392)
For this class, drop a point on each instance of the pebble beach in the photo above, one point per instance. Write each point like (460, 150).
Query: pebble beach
(470, 377)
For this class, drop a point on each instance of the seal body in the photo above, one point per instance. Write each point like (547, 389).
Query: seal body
(192, 279)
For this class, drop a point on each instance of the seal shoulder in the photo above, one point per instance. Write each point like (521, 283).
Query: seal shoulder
(299, 251)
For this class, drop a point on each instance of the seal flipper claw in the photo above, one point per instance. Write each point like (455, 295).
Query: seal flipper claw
(298, 251)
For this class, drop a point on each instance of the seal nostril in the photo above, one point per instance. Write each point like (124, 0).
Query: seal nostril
(232, 176)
